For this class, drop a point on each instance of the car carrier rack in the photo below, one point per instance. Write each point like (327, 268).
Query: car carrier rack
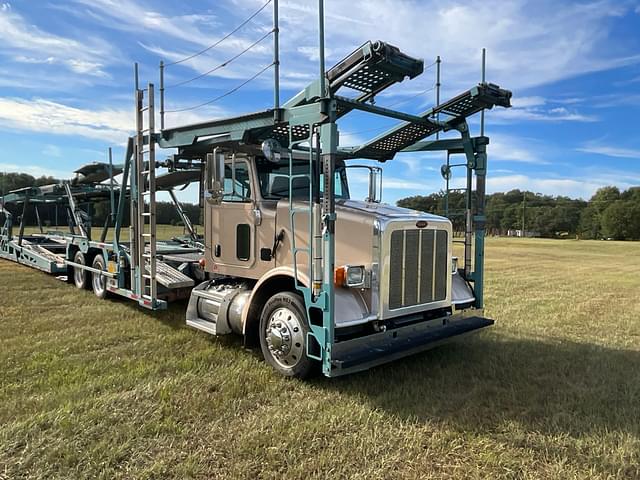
(304, 128)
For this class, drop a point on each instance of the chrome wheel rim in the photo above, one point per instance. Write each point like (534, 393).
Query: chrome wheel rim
(78, 275)
(99, 282)
(285, 338)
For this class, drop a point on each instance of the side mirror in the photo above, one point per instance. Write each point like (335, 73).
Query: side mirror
(214, 176)
(445, 171)
(272, 150)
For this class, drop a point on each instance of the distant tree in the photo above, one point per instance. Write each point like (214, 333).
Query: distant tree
(621, 220)
(545, 214)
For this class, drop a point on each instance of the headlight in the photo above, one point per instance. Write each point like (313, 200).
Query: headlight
(351, 276)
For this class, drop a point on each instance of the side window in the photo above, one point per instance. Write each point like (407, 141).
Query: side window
(238, 190)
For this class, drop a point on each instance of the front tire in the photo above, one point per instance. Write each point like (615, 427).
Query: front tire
(80, 275)
(98, 280)
(283, 334)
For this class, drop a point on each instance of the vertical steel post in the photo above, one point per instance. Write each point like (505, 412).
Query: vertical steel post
(321, 45)
(276, 60)
(524, 208)
(22, 222)
(161, 95)
(112, 213)
(484, 68)
(479, 217)
(35, 206)
(438, 62)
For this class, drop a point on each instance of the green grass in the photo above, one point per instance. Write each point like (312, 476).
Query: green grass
(102, 389)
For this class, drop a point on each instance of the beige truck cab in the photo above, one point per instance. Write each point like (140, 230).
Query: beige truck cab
(392, 265)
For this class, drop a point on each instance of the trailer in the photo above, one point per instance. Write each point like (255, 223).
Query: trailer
(96, 263)
(317, 280)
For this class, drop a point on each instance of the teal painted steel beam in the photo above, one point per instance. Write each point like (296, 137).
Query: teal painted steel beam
(385, 112)
(187, 135)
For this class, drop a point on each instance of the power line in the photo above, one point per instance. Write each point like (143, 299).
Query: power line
(220, 97)
(389, 125)
(222, 65)
(412, 97)
(223, 38)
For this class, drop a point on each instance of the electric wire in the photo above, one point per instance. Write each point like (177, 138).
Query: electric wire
(223, 64)
(220, 97)
(430, 89)
(223, 38)
(389, 125)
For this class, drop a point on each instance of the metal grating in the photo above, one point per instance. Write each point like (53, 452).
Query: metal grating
(298, 132)
(369, 79)
(460, 107)
(418, 272)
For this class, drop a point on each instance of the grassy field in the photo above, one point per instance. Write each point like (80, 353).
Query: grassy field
(101, 389)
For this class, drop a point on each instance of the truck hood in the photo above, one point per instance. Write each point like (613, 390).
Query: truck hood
(383, 210)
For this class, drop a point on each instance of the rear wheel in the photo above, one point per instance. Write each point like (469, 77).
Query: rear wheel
(98, 280)
(283, 332)
(80, 275)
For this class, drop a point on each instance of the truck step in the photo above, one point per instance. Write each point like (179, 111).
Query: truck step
(169, 277)
(200, 324)
(365, 352)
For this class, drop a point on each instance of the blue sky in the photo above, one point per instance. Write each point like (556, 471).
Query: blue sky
(66, 79)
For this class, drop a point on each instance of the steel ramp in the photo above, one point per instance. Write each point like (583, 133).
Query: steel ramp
(372, 68)
(366, 352)
(480, 97)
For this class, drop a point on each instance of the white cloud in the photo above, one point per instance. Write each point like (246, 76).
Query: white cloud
(555, 114)
(35, 170)
(610, 151)
(570, 187)
(39, 115)
(507, 148)
(35, 46)
(52, 151)
(130, 15)
(528, 43)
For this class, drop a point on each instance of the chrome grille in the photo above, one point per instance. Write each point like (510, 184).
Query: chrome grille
(418, 271)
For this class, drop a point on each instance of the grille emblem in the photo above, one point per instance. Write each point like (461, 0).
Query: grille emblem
(421, 223)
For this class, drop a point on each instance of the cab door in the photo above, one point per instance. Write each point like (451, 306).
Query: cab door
(233, 231)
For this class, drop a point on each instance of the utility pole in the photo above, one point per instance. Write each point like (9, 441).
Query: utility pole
(524, 208)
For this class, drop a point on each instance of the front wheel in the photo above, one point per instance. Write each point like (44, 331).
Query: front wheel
(283, 332)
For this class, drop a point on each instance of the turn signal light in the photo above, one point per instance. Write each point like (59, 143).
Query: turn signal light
(339, 276)
(350, 276)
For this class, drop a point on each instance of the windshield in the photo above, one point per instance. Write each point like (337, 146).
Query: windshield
(274, 179)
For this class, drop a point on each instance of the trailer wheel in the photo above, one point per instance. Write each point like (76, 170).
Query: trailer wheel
(283, 332)
(80, 275)
(99, 281)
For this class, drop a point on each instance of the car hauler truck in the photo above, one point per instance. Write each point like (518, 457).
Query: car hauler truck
(288, 259)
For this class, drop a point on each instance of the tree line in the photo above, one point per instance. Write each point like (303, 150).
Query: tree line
(609, 213)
